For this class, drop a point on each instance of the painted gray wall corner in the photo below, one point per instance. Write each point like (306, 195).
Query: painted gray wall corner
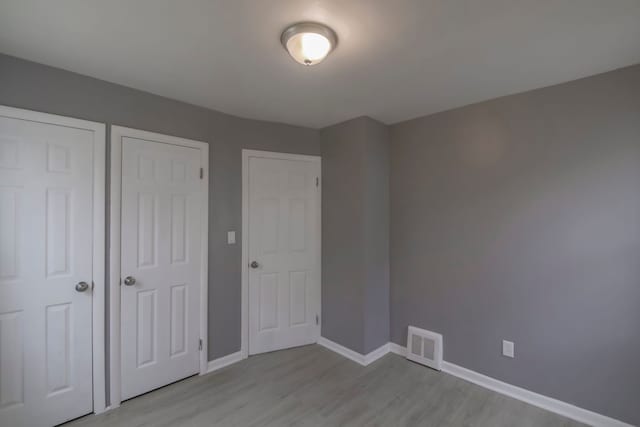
(519, 219)
(342, 235)
(376, 235)
(355, 234)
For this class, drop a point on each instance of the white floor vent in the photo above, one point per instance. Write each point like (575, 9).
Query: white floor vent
(424, 347)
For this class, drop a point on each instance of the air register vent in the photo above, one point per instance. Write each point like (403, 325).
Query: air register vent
(424, 347)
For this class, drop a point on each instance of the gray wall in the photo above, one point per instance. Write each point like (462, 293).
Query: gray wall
(355, 234)
(37, 87)
(519, 219)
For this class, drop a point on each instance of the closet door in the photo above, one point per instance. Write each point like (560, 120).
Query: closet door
(283, 210)
(161, 264)
(46, 243)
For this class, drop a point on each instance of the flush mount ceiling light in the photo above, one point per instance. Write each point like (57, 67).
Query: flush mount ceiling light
(309, 43)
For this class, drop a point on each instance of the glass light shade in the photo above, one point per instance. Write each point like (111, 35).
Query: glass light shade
(308, 43)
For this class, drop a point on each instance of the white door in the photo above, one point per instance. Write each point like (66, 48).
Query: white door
(283, 251)
(46, 244)
(160, 264)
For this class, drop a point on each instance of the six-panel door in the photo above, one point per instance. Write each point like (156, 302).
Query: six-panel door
(161, 241)
(284, 281)
(46, 178)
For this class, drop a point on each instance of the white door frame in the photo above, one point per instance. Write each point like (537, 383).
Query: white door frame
(117, 133)
(98, 220)
(246, 155)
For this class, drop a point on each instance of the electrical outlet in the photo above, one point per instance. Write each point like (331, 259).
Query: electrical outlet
(508, 348)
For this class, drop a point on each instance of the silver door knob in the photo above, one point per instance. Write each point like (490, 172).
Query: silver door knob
(254, 264)
(82, 286)
(129, 281)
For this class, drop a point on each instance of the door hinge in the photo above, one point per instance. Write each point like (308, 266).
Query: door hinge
(317, 181)
(317, 320)
(201, 173)
(200, 345)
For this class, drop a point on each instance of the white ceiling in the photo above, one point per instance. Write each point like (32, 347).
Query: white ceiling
(396, 59)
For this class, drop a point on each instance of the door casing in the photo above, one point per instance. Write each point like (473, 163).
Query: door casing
(98, 238)
(117, 134)
(246, 155)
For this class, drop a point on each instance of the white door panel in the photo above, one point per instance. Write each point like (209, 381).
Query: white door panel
(284, 285)
(46, 232)
(161, 243)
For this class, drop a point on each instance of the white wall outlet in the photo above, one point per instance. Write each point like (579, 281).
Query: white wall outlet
(508, 348)
(231, 237)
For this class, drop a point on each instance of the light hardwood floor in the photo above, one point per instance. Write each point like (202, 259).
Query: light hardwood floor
(312, 386)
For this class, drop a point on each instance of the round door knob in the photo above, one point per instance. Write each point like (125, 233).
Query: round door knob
(129, 281)
(82, 286)
(254, 264)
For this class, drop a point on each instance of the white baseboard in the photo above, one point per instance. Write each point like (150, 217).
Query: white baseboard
(362, 359)
(530, 397)
(376, 354)
(221, 362)
(550, 404)
(398, 349)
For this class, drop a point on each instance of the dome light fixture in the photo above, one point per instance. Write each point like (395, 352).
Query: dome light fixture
(309, 43)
